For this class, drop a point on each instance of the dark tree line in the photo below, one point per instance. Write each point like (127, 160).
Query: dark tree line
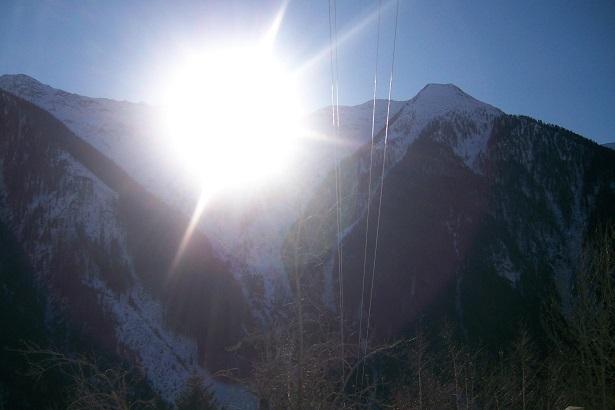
(297, 361)
(571, 362)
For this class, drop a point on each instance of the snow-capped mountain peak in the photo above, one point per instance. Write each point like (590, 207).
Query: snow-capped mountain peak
(444, 102)
(436, 99)
(22, 84)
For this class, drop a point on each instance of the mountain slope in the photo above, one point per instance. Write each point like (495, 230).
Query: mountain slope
(129, 135)
(103, 248)
(124, 132)
(483, 215)
(22, 318)
(472, 121)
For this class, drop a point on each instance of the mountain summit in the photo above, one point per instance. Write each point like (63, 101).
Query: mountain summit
(440, 98)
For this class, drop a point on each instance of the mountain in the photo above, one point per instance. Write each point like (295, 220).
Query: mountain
(610, 145)
(102, 248)
(124, 132)
(483, 216)
(90, 204)
(249, 233)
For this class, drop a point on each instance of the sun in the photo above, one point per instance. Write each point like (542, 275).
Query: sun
(233, 116)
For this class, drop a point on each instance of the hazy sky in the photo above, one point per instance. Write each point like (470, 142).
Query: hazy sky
(552, 60)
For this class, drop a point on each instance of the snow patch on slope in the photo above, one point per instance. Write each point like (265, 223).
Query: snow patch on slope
(169, 359)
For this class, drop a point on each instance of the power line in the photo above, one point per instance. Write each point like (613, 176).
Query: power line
(369, 186)
(333, 45)
(384, 154)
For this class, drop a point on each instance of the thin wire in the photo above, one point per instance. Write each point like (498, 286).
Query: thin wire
(339, 187)
(336, 126)
(339, 184)
(369, 189)
(384, 155)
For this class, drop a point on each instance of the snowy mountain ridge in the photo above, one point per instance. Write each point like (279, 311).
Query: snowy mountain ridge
(448, 181)
(127, 134)
(124, 132)
(448, 101)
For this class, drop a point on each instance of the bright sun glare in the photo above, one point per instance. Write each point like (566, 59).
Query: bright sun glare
(233, 117)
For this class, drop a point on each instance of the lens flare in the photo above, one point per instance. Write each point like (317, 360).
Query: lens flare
(233, 116)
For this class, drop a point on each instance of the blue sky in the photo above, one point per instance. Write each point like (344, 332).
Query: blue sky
(552, 60)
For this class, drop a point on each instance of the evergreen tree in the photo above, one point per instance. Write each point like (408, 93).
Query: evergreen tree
(196, 396)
